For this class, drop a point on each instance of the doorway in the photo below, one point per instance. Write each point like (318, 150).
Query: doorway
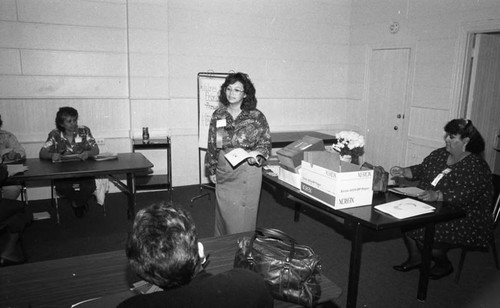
(481, 93)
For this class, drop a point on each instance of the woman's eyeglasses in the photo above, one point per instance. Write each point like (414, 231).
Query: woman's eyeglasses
(236, 90)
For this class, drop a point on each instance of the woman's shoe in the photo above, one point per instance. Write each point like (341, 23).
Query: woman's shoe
(6, 262)
(406, 266)
(438, 272)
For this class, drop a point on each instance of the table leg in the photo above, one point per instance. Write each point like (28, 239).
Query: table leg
(426, 261)
(296, 215)
(131, 195)
(354, 264)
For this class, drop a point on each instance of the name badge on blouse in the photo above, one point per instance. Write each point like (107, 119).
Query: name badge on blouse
(221, 123)
(220, 132)
(440, 176)
(78, 139)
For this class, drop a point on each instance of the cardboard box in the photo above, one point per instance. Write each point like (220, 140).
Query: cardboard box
(337, 183)
(290, 177)
(292, 155)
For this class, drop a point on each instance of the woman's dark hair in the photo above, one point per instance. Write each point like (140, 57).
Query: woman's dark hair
(63, 113)
(250, 101)
(465, 129)
(162, 247)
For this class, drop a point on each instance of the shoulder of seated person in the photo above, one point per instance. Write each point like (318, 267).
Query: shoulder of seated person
(207, 290)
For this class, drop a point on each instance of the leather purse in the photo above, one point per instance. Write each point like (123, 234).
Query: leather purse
(380, 177)
(291, 271)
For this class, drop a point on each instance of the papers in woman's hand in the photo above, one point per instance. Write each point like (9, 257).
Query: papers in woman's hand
(4, 154)
(238, 155)
(407, 191)
(405, 208)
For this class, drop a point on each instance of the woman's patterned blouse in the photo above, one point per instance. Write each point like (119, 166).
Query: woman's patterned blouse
(249, 131)
(82, 141)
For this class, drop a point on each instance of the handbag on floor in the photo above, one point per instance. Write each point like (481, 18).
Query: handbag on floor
(291, 271)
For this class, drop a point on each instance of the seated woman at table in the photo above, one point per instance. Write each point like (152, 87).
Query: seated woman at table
(163, 249)
(458, 175)
(11, 150)
(13, 220)
(71, 140)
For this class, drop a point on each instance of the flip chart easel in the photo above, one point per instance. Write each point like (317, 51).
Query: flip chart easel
(208, 101)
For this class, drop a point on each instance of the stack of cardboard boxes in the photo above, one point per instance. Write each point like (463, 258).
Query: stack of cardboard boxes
(306, 165)
(291, 156)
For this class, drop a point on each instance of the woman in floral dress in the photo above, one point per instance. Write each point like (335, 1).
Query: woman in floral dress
(237, 124)
(458, 175)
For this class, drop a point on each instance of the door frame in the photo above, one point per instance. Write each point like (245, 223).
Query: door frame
(460, 88)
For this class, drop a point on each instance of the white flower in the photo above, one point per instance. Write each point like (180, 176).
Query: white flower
(348, 140)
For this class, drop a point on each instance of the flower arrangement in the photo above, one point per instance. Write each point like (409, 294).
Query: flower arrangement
(349, 143)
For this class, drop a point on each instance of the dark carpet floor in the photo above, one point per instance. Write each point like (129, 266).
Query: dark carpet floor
(380, 285)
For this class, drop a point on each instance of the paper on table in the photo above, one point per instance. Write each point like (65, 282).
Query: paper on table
(407, 191)
(84, 301)
(13, 169)
(405, 208)
(67, 158)
(106, 156)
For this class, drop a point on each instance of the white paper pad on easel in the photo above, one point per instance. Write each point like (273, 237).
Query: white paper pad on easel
(405, 208)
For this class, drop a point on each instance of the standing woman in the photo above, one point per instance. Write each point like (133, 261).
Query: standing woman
(70, 139)
(237, 124)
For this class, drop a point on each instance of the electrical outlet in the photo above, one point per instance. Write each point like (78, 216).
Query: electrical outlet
(99, 141)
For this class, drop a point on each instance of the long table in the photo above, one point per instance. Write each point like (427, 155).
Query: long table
(357, 219)
(126, 163)
(63, 282)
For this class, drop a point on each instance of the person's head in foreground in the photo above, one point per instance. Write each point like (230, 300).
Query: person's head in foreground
(163, 246)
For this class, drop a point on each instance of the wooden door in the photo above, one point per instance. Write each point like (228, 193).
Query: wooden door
(386, 129)
(483, 106)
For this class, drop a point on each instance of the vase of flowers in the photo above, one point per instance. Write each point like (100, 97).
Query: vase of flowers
(349, 143)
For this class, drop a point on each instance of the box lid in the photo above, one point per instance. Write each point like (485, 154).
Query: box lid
(292, 155)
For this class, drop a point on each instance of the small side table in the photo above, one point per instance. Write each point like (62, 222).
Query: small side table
(155, 181)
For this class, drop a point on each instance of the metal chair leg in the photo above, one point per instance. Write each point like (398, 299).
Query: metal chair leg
(493, 248)
(55, 201)
(460, 264)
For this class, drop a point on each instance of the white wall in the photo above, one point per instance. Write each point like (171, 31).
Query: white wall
(129, 64)
(434, 30)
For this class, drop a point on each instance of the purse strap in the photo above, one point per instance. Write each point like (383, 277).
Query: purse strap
(278, 235)
(274, 233)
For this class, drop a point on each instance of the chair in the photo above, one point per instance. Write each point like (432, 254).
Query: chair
(495, 214)
(55, 196)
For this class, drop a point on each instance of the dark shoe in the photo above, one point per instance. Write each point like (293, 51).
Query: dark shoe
(79, 211)
(438, 272)
(406, 266)
(7, 262)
